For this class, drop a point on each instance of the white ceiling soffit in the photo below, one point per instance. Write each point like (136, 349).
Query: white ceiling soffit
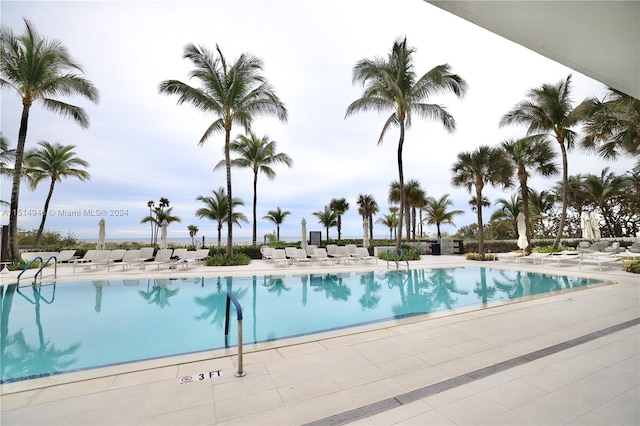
(600, 39)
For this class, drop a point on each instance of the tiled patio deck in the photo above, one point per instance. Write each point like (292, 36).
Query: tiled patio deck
(478, 367)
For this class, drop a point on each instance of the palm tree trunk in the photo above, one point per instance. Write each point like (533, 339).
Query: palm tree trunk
(525, 211)
(14, 250)
(371, 227)
(480, 228)
(44, 213)
(227, 159)
(565, 183)
(400, 183)
(255, 202)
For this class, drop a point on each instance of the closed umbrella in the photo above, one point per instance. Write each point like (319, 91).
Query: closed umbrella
(163, 234)
(101, 235)
(522, 231)
(594, 225)
(365, 234)
(585, 224)
(303, 241)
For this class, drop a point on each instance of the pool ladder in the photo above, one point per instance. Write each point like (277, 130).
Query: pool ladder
(39, 271)
(396, 259)
(231, 298)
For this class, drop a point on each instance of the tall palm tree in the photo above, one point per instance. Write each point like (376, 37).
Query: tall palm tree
(52, 162)
(532, 155)
(612, 126)
(367, 207)
(415, 197)
(39, 70)
(216, 208)
(437, 213)
(151, 204)
(257, 154)
(339, 206)
(327, 218)
(601, 190)
(391, 84)
(277, 217)
(156, 215)
(234, 93)
(484, 166)
(549, 109)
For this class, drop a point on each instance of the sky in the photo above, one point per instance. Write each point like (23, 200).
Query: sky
(142, 146)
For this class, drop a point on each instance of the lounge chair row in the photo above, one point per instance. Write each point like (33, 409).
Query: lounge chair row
(567, 257)
(329, 255)
(139, 257)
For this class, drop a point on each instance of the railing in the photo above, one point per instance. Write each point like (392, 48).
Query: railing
(392, 256)
(44, 264)
(231, 298)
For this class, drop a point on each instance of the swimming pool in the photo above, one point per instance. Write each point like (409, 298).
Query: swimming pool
(75, 326)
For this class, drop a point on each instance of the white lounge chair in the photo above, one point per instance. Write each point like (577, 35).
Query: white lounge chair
(131, 257)
(88, 257)
(97, 258)
(301, 257)
(279, 257)
(600, 260)
(163, 257)
(201, 255)
(533, 257)
(188, 259)
(267, 253)
(179, 253)
(146, 253)
(65, 256)
(320, 255)
(362, 254)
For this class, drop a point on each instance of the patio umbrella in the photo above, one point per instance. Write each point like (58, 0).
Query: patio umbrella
(365, 234)
(522, 231)
(585, 224)
(101, 235)
(163, 234)
(594, 225)
(303, 241)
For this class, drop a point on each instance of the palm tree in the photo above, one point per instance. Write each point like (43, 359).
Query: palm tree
(437, 213)
(367, 207)
(327, 218)
(601, 190)
(216, 208)
(414, 196)
(548, 109)
(156, 215)
(530, 156)
(193, 230)
(234, 93)
(509, 211)
(541, 203)
(339, 206)
(277, 217)
(612, 126)
(257, 154)
(7, 157)
(389, 220)
(52, 162)
(484, 166)
(390, 84)
(39, 70)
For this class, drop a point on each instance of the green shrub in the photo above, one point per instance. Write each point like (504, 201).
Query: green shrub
(410, 254)
(632, 266)
(478, 256)
(222, 259)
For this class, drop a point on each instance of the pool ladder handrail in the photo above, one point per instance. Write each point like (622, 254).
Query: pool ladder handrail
(392, 255)
(44, 264)
(232, 298)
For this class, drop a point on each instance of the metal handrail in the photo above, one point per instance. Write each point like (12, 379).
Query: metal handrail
(392, 255)
(44, 264)
(231, 298)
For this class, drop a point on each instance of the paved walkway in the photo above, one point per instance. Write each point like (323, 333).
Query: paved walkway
(570, 358)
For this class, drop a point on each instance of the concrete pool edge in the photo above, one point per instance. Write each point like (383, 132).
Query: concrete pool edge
(415, 395)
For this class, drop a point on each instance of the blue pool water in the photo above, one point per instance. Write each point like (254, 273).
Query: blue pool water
(73, 326)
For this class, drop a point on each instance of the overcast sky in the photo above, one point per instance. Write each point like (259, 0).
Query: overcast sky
(141, 146)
